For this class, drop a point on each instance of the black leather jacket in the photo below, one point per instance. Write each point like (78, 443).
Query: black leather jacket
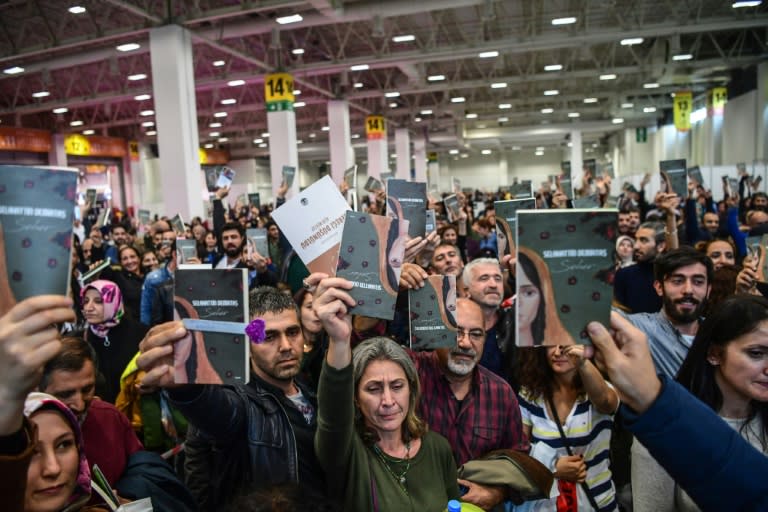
(226, 420)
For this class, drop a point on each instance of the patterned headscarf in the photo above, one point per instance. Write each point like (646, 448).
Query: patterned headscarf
(113, 305)
(36, 402)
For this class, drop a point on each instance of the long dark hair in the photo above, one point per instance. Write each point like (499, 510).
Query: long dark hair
(736, 316)
(540, 322)
(537, 375)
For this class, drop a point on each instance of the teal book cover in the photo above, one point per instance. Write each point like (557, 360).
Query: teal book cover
(432, 313)
(254, 199)
(521, 190)
(564, 274)
(289, 172)
(408, 200)
(371, 256)
(674, 178)
(214, 307)
(37, 207)
(257, 240)
(506, 219)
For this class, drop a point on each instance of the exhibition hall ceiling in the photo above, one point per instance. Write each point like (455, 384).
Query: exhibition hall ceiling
(467, 74)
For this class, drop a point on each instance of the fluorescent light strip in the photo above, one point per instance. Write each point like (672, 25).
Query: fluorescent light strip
(631, 41)
(298, 51)
(360, 67)
(608, 76)
(488, 55)
(404, 38)
(137, 76)
(128, 47)
(498, 85)
(458, 99)
(564, 21)
(293, 18)
(391, 94)
(436, 78)
(590, 100)
(551, 92)
(40, 94)
(682, 56)
(228, 101)
(553, 67)
(236, 83)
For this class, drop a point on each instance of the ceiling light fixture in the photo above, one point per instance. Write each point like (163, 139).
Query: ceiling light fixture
(682, 56)
(218, 63)
(300, 104)
(89, 132)
(145, 113)
(505, 105)
(649, 110)
(453, 152)
(627, 105)
(358, 85)
(40, 94)
(617, 120)
(263, 145)
(150, 133)
(574, 114)
(236, 83)
(76, 123)
(220, 114)
(516, 148)
(590, 100)
(15, 70)
(359, 67)
(404, 38)
(471, 116)
(486, 151)
(265, 134)
(436, 78)
(393, 105)
(391, 94)
(258, 141)
(551, 92)
(631, 41)
(503, 119)
(547, 110)
(214, 134)
(355, 135)
(148, 123)
(77, 9)
(285, 20)
(60, 110)
(651, 85)
(208, 146)
(499, 85)
(296, 92)
(608, 76)
(128, 47)
(215, 125)
(298, 51)
(325, 128)
(142, 97)
(458, 99)
(228, 101)
(553, 67)
(564, 21)
(746, 3)
(137, 76)
(426, 112)
(223, 139)
(488, 55)
(417, 119)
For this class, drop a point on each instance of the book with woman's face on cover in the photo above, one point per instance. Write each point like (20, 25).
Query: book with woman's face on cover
(565, 268)
(213, 304)
(371, 257)
(432, 313)
(506, 218)
(408, 200)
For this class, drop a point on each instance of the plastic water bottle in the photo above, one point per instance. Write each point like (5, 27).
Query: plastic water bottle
(460, 506)
(454, 506)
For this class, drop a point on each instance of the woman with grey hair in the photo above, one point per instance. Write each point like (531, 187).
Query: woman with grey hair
(377, 453)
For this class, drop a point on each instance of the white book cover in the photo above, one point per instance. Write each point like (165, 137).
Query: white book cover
(312, 221)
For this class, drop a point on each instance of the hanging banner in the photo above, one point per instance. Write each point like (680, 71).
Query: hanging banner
(278, 92)
(717, 97)
(95, 145)
(213, 156)
(24, 139)
(133, 150)
(683, 104)
(375, 128)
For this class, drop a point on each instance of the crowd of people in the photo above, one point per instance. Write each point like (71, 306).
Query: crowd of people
(667, 410)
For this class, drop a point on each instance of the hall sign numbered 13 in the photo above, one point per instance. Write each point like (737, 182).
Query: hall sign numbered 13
(278, 92)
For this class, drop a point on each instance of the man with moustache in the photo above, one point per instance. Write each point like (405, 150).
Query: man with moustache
(633, 288)
(246, 436)
(232, 236)
(683, 279)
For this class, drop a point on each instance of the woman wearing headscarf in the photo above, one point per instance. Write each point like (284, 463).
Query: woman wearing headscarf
(114, 338)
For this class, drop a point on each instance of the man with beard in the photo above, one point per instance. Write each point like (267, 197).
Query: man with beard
(683, 280)
(633, 288)
(232, 236)
(245, 436)
(484, 283)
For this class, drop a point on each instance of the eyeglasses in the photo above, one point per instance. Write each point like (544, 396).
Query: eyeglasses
(475, 335)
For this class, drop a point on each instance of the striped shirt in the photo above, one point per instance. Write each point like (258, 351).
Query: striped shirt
(589, 434)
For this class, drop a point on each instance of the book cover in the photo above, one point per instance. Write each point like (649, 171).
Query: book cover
(144, 217)
(371, 256)
(90, 197)
(757, 249)
(590, 166)
(373, 185)
(186, 249)
(226, 176)
(674, 179)
(211, 177)
(257, 240)
(350, 176)
(431, 221)
(694, 173)
(565, 270)
(177, 224)
(213, 304)
(587, 202)
(452, 207)
(254, 199)
(521, 190)
(105, 216)
(312, 221)
(456, 182)
(506, 220)
(289, 172)
(432, 313)
(564, 186)
(607, 171)
(37, 207)
(408, 200)
(565, 168)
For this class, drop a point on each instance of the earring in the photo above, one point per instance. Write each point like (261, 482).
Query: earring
(713, 361)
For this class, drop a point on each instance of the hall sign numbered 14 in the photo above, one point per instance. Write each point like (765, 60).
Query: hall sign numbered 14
(278, 92)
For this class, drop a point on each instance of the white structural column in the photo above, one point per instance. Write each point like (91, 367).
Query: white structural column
(762, 113)
(577, 159)
(57, 156)
(342, 154)
(376, 133)
(433, 171)
(173, 87)
(420, 158)
(403, 151)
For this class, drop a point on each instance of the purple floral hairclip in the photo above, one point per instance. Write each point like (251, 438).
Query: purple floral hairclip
(255, 331)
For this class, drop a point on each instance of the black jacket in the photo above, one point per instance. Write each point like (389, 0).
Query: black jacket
(226, 421)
